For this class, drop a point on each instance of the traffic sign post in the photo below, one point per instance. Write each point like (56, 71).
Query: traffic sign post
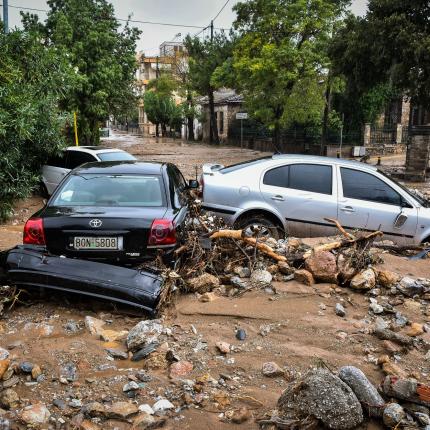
(241, 116)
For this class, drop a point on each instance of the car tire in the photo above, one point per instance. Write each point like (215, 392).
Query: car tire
(269, 229)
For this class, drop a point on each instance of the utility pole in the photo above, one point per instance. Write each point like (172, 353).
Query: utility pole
(5, 16)
(157, 69)
(212, 31)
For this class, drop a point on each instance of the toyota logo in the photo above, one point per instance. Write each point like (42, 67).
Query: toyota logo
(96, 223)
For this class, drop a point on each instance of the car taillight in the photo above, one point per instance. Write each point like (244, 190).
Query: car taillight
(33, 232)
(163, 232)
(202, 186)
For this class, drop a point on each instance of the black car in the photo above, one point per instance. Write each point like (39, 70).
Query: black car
(116, 212)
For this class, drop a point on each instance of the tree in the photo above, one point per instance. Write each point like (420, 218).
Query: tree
(160, 107)
(204, 58)
(280, 59)
(103, 57)
(33, 80)
(385, 54)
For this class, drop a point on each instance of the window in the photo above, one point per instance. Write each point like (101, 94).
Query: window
(58, 161)
(107, 190)
(221, 123)
(277, 177)
(76, 158)
(364, 186)
(116, 156)
(305, 177)
(177, 187)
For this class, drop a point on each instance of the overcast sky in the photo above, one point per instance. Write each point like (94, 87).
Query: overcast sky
(184, 12)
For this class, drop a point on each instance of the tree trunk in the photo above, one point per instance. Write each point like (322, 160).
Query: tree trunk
(213, 133)
(157, 129)
(163, 130)
(190, 120)
(327, 108)
(277, 138)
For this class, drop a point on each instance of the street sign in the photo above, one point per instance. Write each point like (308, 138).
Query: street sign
(241, 115)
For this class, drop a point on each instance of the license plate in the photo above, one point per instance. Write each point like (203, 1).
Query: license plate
(108, 243)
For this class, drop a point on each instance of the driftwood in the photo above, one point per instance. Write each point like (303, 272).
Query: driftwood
(340, 228)
(343, 243)
(239, 235)
(399, 249)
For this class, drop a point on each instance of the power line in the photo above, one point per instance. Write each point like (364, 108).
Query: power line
(219, 13)
(168, 24)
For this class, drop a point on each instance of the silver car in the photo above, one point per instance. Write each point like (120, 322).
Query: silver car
(295, 193)
(54, 171)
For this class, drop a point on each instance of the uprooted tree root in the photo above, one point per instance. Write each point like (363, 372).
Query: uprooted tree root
(9, 296)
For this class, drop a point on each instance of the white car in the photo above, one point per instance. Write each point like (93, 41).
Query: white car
(296, 193)
(57, 168)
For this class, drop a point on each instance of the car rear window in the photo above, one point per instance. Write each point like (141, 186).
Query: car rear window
(115, 156)
(111, 190)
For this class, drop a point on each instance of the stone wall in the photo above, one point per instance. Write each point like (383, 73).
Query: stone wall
(417, 159)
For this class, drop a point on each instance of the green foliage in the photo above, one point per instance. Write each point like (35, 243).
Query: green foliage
(103, 58)
(280, 59)
(33, 80)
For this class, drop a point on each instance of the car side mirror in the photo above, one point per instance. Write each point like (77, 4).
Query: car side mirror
(193, 184)
(400, 220)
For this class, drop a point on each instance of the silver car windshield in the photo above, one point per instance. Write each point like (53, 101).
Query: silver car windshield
(111, 190)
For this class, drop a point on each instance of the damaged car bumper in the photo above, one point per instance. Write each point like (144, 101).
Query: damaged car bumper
(32, 266)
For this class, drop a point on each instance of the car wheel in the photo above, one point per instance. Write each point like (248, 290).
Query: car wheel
(259, 223)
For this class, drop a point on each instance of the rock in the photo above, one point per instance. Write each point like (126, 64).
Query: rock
(392, 369)
(242, 272)
(146, 408)
(392, 347)
(9, 399)
(4, 366)
(75, 403)
(376, 309)
(340, 310)
(94, 325)
(36, 372)
(239, 283)
(223, 347)
(11, 382)
(117, 353)
(285, 268)
(403, 389)
(410, 287)
(89, 425)
(26, 366)
(365, 280)
(71, 326)
(387, 279)
(304, 276)
(130, 386)
(324, 396)
(393, 414)
(415, 330)
(240, 334)
(180, 368)
(40, 329)
(69, 371)
(366, 393)
(145, 351)
(112, 335)
(60, 404)
(207, 297)
(94, 409)
(143, 421)
(400, 320)
(412, 305)
(203, 283)
(239, 416)
(323, 266)
(261, 278)
(162, 405)
(4, 354)
(143, 333)
(35, 415)
(121, 410)
(345, 268)
(272, 369)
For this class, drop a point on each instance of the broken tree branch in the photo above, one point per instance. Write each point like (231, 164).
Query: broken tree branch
(340, 228)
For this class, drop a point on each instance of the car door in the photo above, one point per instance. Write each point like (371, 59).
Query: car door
(367, 201)
(54, 171)
(305, 194)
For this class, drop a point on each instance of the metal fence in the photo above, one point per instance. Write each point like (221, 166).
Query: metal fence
(388, 135)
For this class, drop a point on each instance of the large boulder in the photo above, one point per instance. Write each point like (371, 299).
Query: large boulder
(365, 280)
(322, 395)
(410, 287)
(261, 278)
(323, 266)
